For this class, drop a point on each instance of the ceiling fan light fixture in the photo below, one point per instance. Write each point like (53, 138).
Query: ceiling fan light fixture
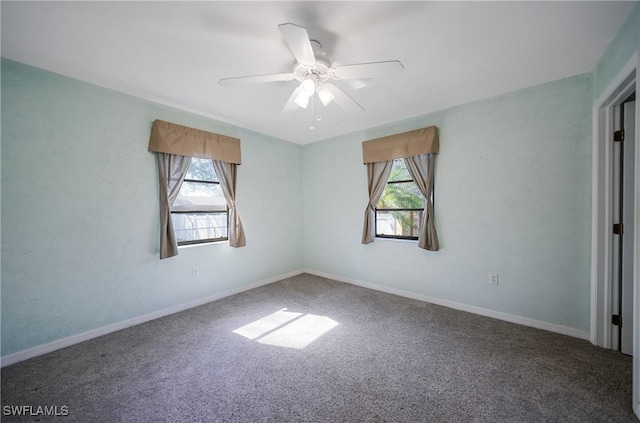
(308, 87)
(326, 96)
(302, 99)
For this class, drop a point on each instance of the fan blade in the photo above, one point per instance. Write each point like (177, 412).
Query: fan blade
(297, 39)
(290, 106)
(366, 70)
(343, 100)
(257, 79)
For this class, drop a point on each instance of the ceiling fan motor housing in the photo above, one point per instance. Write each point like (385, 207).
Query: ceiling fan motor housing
(318, 71)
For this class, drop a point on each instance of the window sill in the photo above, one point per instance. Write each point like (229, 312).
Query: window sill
(202, 244)
(396, 240)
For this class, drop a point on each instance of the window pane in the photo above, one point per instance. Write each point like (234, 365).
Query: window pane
(401, 195)
(201, 170)
(398, 223)
(199, 196)
(399, 171)
(199, 226)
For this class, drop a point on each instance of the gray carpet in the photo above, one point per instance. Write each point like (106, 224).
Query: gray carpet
(388, 359)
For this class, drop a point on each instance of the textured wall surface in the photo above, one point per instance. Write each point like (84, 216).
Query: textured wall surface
(80, 211)
(512, 196)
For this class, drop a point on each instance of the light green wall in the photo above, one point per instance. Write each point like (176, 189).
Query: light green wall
(618, 53)
(80, 211)
(512, 196)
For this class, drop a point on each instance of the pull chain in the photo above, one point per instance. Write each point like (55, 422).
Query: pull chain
(315, 117)
(313, 104)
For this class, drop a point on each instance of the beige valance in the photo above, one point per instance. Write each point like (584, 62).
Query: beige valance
(407, 144)
(170, 138)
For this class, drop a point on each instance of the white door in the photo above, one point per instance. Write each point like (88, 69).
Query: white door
(627, 214)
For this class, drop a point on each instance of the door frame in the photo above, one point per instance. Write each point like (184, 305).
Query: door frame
(602, 217)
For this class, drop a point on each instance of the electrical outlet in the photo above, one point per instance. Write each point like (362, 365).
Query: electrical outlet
(194, 272)
(493, 279)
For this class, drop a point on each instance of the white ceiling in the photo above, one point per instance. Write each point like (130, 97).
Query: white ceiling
(175, 52)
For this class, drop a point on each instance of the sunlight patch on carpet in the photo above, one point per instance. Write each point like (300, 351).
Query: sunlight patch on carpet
(287, 329)
(268, 323)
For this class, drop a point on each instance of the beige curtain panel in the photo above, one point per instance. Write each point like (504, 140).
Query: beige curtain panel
(172, 170)
(227, 175)
(421, 169)
(167, 137)
(399, 146)
(377, 177)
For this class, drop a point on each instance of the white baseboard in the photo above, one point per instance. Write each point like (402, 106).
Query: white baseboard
(16, 357)
(525, 321)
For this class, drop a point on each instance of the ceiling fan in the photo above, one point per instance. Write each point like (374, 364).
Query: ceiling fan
(314, 72)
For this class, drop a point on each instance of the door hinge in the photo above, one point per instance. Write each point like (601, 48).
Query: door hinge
(616, 320)
(618, 135)
(618, 228)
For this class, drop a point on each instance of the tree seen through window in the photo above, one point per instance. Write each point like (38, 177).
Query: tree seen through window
(399, 211)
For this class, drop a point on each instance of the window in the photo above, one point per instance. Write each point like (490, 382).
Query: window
(200, 212)
(399, 211)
